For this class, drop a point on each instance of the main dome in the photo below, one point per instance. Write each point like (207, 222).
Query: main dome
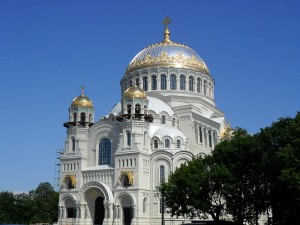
(168, 53)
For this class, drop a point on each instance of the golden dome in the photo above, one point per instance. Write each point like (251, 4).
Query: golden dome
(135, 92)
(82, 101)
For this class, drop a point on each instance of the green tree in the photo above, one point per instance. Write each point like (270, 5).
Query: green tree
(280, 145)
(45, 204)
(7, 207)
(243, 190)
(195, 189)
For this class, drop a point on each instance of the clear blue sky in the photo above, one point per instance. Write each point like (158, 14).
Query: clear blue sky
(48, 49)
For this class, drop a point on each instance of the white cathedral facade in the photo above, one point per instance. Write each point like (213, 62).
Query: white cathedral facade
(111, 168)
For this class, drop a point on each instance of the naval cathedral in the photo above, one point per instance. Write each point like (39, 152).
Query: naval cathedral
(111, 168)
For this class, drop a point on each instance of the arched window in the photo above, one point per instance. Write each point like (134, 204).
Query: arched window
(145, 109)
(137, 82)
(173, 82)
(70, 184)
(137, 109)
(155, 143)
(182, 82)
(173, 122)
(161, 174)
(130, 83)
(144, 205)
(209, 89)
(163, 82)
(205, 87)
(73, 144)
(104, 151)
(129, 109)
(90, 117)
(75, 117)
(128, 138)
(178, 144)
(191, 83)
(145, 83)
(126, 182)
(163, 119)
(82, 117)
(199, 84)
(167, 143)
(154, 83)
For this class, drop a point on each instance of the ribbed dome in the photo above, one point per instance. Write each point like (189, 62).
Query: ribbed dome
(82, 101)
(168, 54)
(135, 92)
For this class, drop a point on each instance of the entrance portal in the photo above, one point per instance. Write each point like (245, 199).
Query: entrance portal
(127, 215)
(99, 211)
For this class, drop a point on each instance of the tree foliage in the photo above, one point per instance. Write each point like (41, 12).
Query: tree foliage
(250, 174)
(38, 206)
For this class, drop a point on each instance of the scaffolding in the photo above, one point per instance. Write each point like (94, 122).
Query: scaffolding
(56, 184)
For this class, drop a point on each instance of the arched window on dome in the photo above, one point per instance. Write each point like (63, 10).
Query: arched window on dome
(137, 109)
(155, 144)
(209, 89)
(82, 117)
(128, 138)
(199, 84)
(90, 117)
(104, 152)
(178, 144)
(75, 117)
(130, 83)
(145, 83)
(205, 87)
(173, 82)
(182, 82)
(154, 83)
(163, 119)
(191, 83)
(129, 109)
(167, 143)
(163, 82)
(137, 82)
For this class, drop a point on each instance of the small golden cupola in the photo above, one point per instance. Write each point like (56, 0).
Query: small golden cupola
(81, 111)
(134, 104)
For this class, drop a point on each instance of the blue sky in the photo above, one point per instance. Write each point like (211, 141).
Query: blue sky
(48, 49)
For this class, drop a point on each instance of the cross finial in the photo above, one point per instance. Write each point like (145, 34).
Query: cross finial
(166, 22)
(82, 90)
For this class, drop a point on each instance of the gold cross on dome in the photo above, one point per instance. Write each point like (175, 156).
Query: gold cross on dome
(167, 21)
(82, 90)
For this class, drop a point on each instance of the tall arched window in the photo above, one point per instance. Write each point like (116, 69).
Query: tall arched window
(90, 117)
(178, 144)
(137, 82)
(126, 182)
(129, 109)
(191, 83)
(199, 84)
(75, 117)
(173, 82)
(163, 119)
(130, 83)
(205, 87)
(155, 143)
(145, 83)
(82, 117)
(167, 143)
(163, 82)
(144, 205)
(137, 109)
(209, 89)
(104, 152)
(128, 138)
(161, 173)
(182, 82)
(154, 83)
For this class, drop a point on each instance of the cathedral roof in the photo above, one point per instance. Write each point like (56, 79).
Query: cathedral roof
(167, 53)
(163, 131)
(82, 101)
(135, 92)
